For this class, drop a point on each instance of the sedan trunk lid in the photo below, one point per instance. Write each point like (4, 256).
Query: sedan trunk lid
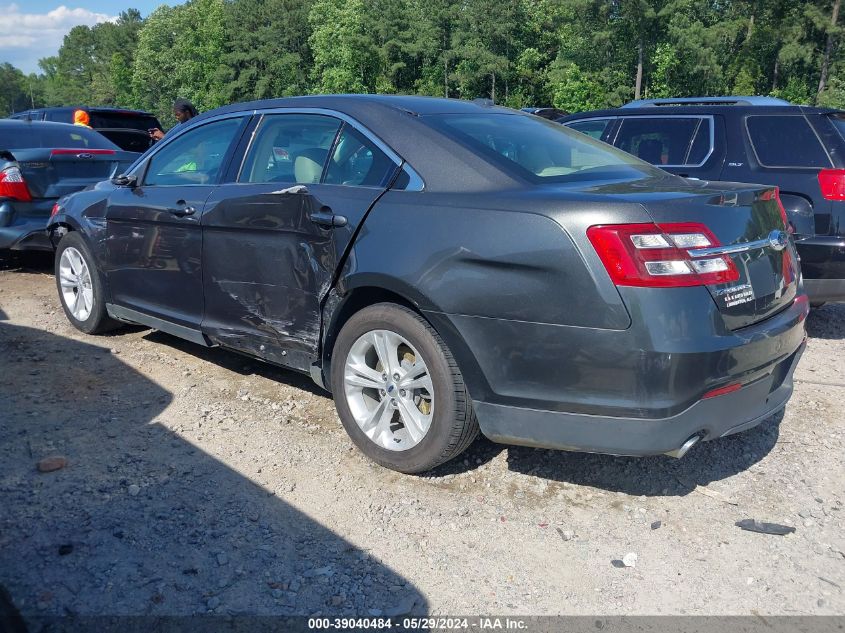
(747, 222)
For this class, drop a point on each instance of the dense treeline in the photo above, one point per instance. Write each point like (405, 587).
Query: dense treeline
(574, 54)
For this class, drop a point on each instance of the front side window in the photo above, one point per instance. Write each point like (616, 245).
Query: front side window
(538, 149)
(785, 141)
(195, 157)
(591, 127)
(357, 161)
(676, 141)
(290, 148)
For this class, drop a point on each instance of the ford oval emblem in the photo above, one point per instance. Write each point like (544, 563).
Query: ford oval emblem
(85, 155)
(777, 240)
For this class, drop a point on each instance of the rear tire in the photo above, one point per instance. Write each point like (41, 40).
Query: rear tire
(399, 392)
(80, 286)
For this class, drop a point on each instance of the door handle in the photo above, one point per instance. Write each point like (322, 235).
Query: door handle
(327, 218)
(294, 189)
(184, 209)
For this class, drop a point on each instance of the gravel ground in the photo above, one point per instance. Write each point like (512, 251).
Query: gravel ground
(199, 481)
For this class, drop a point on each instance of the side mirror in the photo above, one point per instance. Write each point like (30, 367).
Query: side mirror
(124, 180)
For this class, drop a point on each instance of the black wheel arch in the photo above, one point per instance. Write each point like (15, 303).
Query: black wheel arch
(340, 306)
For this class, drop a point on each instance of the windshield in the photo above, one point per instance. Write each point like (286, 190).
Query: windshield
(30, 135)
(541, 150)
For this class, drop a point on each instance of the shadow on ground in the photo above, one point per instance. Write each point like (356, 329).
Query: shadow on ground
(238, 363)
(827, 322)
(27, 261)
(140, 522)
(652, 476)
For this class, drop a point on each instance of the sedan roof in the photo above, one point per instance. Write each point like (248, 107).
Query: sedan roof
(399, 121)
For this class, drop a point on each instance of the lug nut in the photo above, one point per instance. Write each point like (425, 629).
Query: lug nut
(382, 392)
(402, 392)
(395, 376)
(384, 376)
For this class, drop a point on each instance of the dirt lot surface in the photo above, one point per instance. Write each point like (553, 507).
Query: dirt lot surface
(200, 481)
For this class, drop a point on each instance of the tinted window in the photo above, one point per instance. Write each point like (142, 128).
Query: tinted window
(785, 141)
(19, 136)
(356, 161)
(123, 120)
(290, 148)
(838, 121)
(538, 148)
(195, 157)
(594, 127)
(59, 116)
(665, 141)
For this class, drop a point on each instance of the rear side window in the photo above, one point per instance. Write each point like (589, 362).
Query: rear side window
(593, 127)
(667, 141)
(357, 161)
(785, 141)
(45, 135)
(290, 148)
(59, 116)
(838, 121)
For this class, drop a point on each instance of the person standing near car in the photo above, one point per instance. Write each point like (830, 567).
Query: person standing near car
(183, 111)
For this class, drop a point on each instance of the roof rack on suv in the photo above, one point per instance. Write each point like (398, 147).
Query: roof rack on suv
(744, 101)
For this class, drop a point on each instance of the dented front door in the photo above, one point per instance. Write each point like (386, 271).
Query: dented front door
(269, 256)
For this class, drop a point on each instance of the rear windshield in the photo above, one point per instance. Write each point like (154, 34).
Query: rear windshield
(539, 149)
(29, 135)
(123, 120)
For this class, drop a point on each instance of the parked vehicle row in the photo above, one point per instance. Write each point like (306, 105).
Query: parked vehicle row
(750, 139)
(128, 129)
(443, 267)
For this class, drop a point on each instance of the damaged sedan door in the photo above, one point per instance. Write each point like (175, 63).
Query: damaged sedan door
(274, 234)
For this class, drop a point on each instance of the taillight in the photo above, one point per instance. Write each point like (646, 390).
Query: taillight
(81, 150)
(56, 208)
(657, 256)
(12, 185)
(832, 183)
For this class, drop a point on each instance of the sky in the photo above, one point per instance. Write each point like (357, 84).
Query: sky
(34, 29)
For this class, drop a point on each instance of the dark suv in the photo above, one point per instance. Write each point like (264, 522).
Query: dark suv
(128, 129)
(749, 139)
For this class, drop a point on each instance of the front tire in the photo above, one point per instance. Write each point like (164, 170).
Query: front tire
(80, 287)
(399, 392)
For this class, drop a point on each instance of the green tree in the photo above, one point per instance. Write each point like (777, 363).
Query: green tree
(267, 53)
(346, 57)
(179, 56)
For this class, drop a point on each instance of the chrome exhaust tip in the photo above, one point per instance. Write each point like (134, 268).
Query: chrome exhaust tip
(680, 452)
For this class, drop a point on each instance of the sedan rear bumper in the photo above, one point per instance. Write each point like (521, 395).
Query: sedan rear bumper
(24, 231)
(710, 419)
(638, 391)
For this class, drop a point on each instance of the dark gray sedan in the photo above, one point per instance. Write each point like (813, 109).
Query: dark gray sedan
(39, 163)
(443, 266)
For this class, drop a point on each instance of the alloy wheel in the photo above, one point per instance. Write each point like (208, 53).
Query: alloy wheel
(389, 390)
(76, 285)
